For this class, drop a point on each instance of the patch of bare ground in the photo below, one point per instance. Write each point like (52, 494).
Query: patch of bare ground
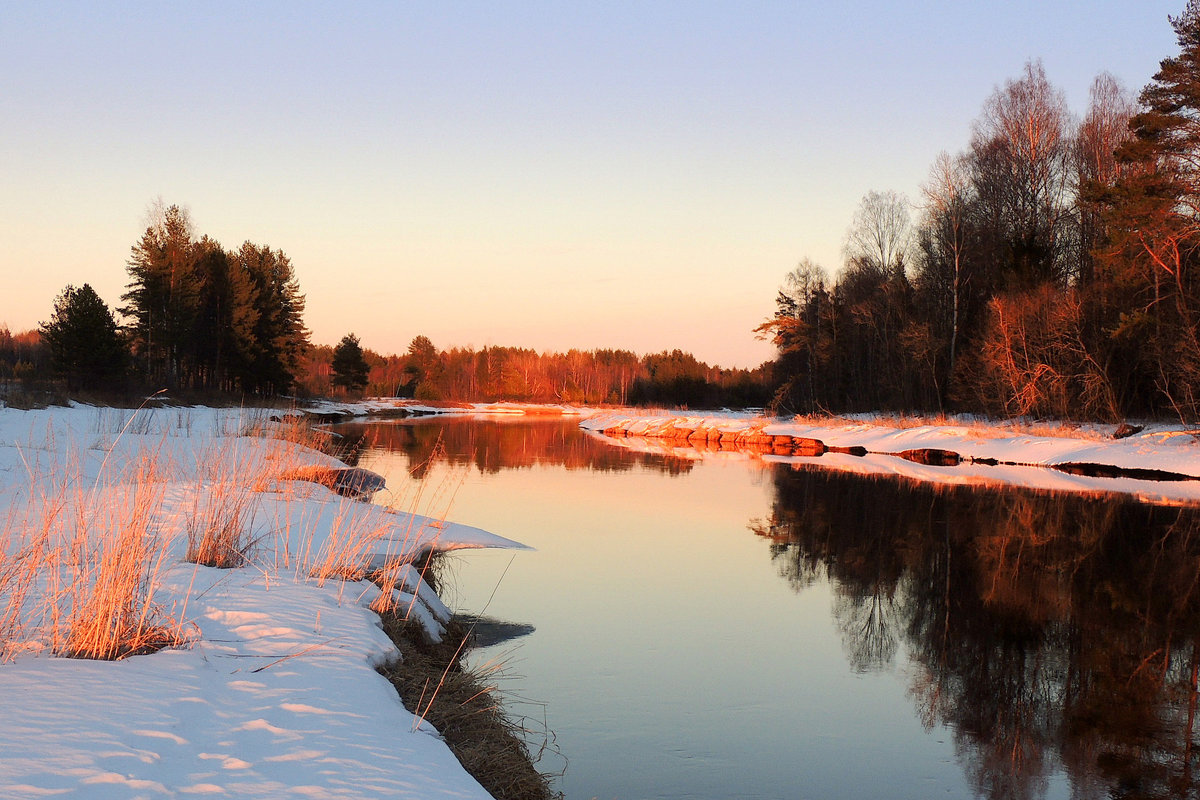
(434, 685)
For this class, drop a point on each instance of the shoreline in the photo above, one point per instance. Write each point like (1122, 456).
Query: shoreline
(434, 685)
(1157, 463)
(431, 680)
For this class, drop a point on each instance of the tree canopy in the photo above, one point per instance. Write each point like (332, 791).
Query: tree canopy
(1054, 269)
(199, 317)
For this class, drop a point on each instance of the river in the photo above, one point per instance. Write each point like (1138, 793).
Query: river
(725, 627)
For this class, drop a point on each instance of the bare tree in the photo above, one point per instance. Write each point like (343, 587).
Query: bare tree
(947, 198)
(1104, 128)
(880, 234)
(1021, 158)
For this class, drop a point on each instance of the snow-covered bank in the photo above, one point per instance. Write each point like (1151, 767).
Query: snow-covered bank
(990, 453)
(274, 692)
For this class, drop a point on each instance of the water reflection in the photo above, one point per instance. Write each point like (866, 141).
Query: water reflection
(1050, 633)
(490, 445)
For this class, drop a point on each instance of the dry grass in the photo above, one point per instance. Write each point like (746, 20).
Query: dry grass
(346, 552)
(19, 568)
(465, 710)
(360, 547)
(111, 567)
(78, 570)
(79, 561)
(218, 530)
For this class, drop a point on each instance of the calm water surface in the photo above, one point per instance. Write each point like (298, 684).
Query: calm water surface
(728, 628)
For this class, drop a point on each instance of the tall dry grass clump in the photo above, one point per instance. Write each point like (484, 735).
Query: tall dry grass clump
(78, 565)
(346, 551)
(102, 595)
(358, 547)
(218, 529)
(19, 569)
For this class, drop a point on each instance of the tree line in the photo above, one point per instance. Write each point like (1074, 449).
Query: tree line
(200, 319)
(673, 378)
(1049, 270)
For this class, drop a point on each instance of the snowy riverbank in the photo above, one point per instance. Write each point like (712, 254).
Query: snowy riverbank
(273, 692)
(989, 453)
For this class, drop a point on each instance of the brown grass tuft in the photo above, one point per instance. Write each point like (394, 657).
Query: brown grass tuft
(217, 530)
(78, 567)
(103, 581)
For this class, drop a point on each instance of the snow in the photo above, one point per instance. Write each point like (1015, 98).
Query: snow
(275, 693)
(1028, 448)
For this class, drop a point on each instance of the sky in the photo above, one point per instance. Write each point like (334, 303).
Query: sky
(550, 175)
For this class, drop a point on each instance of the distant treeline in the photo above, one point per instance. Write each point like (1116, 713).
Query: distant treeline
(511, 373)
(200, 321)
(1053, 270)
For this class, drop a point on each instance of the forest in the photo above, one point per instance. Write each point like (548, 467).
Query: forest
(1050, 270)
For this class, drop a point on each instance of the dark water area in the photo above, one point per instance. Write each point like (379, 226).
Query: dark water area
(1051, 634)
(728, 628)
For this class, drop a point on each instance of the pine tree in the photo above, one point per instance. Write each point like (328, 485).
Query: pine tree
(223, 337)
(421, 369)
(162, 297)
(1150, 290)
(85, 346)
(350, 368)
(280, 338)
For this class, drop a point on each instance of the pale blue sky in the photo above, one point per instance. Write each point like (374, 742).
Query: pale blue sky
(551, 175)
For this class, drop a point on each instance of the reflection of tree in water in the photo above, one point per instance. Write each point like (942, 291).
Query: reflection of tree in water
(868, 624)
(1049, 632)
(492, 445)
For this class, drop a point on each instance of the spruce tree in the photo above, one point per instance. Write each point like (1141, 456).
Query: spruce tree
(350, 368)
(85, 346)
(223, 337)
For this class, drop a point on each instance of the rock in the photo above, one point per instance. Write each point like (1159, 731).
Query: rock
(808, 447)
(1125, 430)
(931, 456)
(357, 482)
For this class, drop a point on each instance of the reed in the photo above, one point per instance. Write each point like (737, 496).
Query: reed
(219, 527)
(80, 555)
(19, 568)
